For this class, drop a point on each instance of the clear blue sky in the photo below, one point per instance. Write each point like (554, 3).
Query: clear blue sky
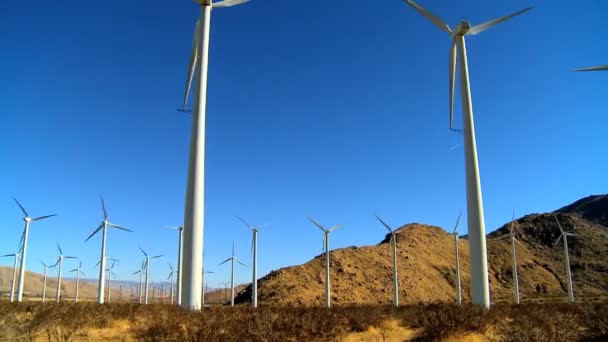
(336, 110)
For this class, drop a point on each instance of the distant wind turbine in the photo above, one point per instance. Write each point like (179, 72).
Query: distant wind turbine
(26, 232)
(60, 263)
(170, 278)
(140, 287)
(480, 287)
(14, 281)
(514, 258)
(147, 274)
(394, 247)
(195, 189)
(44, 280)
(110, 272)
(180, 244)
(205, 285)
(78, 273)
(254, 250)
(564, 237)
(103, 226)
(232, 259)
(457, 254)
(326, 247)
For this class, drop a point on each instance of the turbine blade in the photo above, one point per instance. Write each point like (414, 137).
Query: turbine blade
(146, 254)
(119, 227)
(84, 275)
(457, 222)
(556, 241)
(228, 3)
(7, 255)
(433, 18)
(74, 270)
(193, 61)
(97, 264)
(316, 223)
(158, 256)
(334, 228)
(103, 207)
(558, 225)
(245, 223)
(452, 81)
(225, 261)
(43, 217)
(594, 68)
(70, 257)
(43, 264)
(384, 224)
(22, 208)
(241, 263)
(94, 232)
(22, 240)
(60, 251)
(488, 24)
(137, 272)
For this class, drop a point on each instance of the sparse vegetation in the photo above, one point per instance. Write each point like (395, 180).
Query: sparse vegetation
(432, 322)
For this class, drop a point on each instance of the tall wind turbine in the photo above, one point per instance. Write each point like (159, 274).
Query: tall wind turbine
(395, 277)
(60, 263)
(78, 273)
(46, 268)
(195, 189)
(564, 237)
(170, 278)
(254, 249)
(147, 274)
(103, 226)
(180, 244)
(205, 285)
(14, 281)
(477, 233)
(26, 232)
(326, 247)
(232, 260)
(595, 68)
(457, 253)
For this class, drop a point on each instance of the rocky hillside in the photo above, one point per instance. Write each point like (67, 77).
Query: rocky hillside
(426, 264)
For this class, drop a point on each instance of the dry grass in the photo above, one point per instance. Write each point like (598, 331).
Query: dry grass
(434, 322)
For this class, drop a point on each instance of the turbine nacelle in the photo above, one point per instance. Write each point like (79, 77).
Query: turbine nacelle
(462, 29)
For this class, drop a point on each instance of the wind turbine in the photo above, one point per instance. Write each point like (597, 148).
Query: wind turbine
(13, 282)
(180, 244)
(477, 236)
(232, 259)
(139, 288)
(103, 226)
(564, 237)
(110, 272)
(78, 273)
(595, 68)
(60, 263)
(254, 249)
(170, 278)
(195, 189)
(395, 277)
(44, 281)
(457, 253)
(514, 240)
(147, 266)
(326, 245)
(26, 232)
(204, 284)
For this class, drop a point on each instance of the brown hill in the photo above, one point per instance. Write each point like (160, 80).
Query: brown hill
(363, 275)
(33, 286)
(593, 208)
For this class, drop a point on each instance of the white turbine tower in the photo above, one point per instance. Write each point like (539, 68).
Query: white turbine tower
(60, 263)
(326, 248)
(140, 286)
(513, 240)
(78, 273)
(180, 244)
(14, 281)
(254, 249)
(110, 272)
(205, 285)
(147, 274)
(232, 260)
(477, 236)
(195, 189)
(170, 278)
(457, 254)
(595, 68)
(46, 268)
(26, 232)
(394, 247)
(564, 237)
(102, 265)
